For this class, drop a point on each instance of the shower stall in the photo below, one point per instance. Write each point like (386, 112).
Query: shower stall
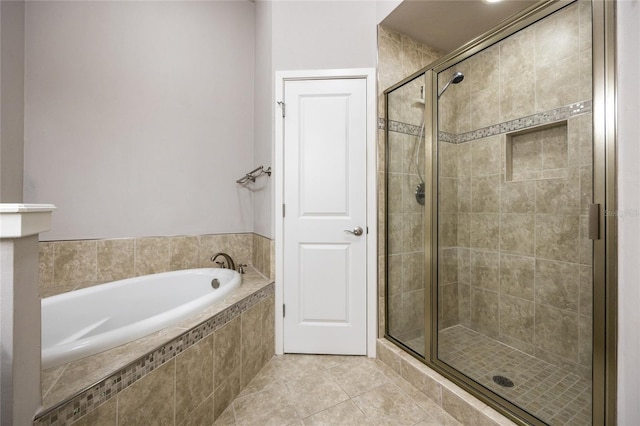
(491, 273)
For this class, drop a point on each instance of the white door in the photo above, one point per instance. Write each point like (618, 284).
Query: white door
(325, 290)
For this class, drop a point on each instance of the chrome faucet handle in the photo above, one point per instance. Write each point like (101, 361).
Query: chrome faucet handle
(241, 267)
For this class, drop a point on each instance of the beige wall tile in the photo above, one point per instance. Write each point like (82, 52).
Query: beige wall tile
(151, 400)
(412, 232)
(227, 352)
(395, 182)
(448, 161)
(586, 338)
(394, 233)
(208, 246)
(555, 87)
(557, 331)
(518, 197)
(413, 266)
(485, 108)
(517, 233)
(105, 415)
(585, 244)
(395, 282)
(555, 196)
(463, 230)
(226, 392)
(517, 318)
(464, 304)
(557, 284)
(586, 189)
(464, 194)
(484, 70)
(194, 377)
(202, 415)
(268, 324)
(517, 276)
(463, 410)
(557, 237)
(448, 265)
(251, 342)
(74, 263)
(586, 290)
(412, 310)
(45, 273)
(151, 255)
(515, 54)
(448, 229)
(464, 159)
(557, 36)
(485, 194)
(554, 147)
(486, 156)
(464, 265)
(485, 311)
(183, 253)
(485, 268)
(448, 305)
(518, 96)
(409, 203)
(448, 196)
(115, 259)
(485, 230)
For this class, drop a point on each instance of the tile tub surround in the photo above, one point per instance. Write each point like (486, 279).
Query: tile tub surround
(455, 401)
(71, 265)
(232, 340)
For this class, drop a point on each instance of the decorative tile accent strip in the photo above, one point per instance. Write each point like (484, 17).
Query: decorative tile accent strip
(381, 123)
(70, 410)
(399, 127)
(545, 117)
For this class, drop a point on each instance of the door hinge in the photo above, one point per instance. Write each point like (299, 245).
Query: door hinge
(283, 210)
(594, 221)
(367, 230)
(283, 310)
(282, 105)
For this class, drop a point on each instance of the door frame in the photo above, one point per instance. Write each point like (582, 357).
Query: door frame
(369, 75)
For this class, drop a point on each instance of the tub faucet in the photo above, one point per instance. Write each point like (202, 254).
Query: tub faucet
(227, 258)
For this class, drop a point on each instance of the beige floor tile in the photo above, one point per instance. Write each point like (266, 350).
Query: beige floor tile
(271, 406)
(346, 413)
(388, 405)
(358, 379)
(313, 393)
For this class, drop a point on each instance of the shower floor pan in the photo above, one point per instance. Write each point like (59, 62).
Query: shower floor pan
(555, 395)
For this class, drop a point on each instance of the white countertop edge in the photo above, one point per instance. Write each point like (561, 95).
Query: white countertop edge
(25, 208)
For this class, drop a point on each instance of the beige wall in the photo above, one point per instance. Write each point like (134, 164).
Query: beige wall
(515, 248)
(139, 116)
(11, 100)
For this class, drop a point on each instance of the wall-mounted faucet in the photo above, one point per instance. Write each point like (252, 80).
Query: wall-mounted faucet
(229, 262)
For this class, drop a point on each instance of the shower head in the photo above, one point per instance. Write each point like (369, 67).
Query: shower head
(457, 78)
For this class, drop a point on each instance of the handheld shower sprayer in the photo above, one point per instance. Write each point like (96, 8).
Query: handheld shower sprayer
(457, 78)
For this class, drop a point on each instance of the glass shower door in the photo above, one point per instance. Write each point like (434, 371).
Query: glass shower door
(514, 185)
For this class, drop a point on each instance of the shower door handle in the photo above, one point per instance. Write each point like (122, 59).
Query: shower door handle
(356, 231)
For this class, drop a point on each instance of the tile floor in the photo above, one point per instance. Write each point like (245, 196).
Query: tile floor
(555, 395)
(331, 390)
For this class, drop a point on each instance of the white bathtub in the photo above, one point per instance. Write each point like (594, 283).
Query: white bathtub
(84, 322)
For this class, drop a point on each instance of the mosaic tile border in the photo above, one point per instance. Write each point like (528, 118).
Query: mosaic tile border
(91, 398)
(522, 123)
(545, 117)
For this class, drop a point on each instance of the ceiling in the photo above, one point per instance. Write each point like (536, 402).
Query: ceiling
(448, 24)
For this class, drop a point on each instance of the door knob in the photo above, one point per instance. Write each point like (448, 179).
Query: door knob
(357, 231)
